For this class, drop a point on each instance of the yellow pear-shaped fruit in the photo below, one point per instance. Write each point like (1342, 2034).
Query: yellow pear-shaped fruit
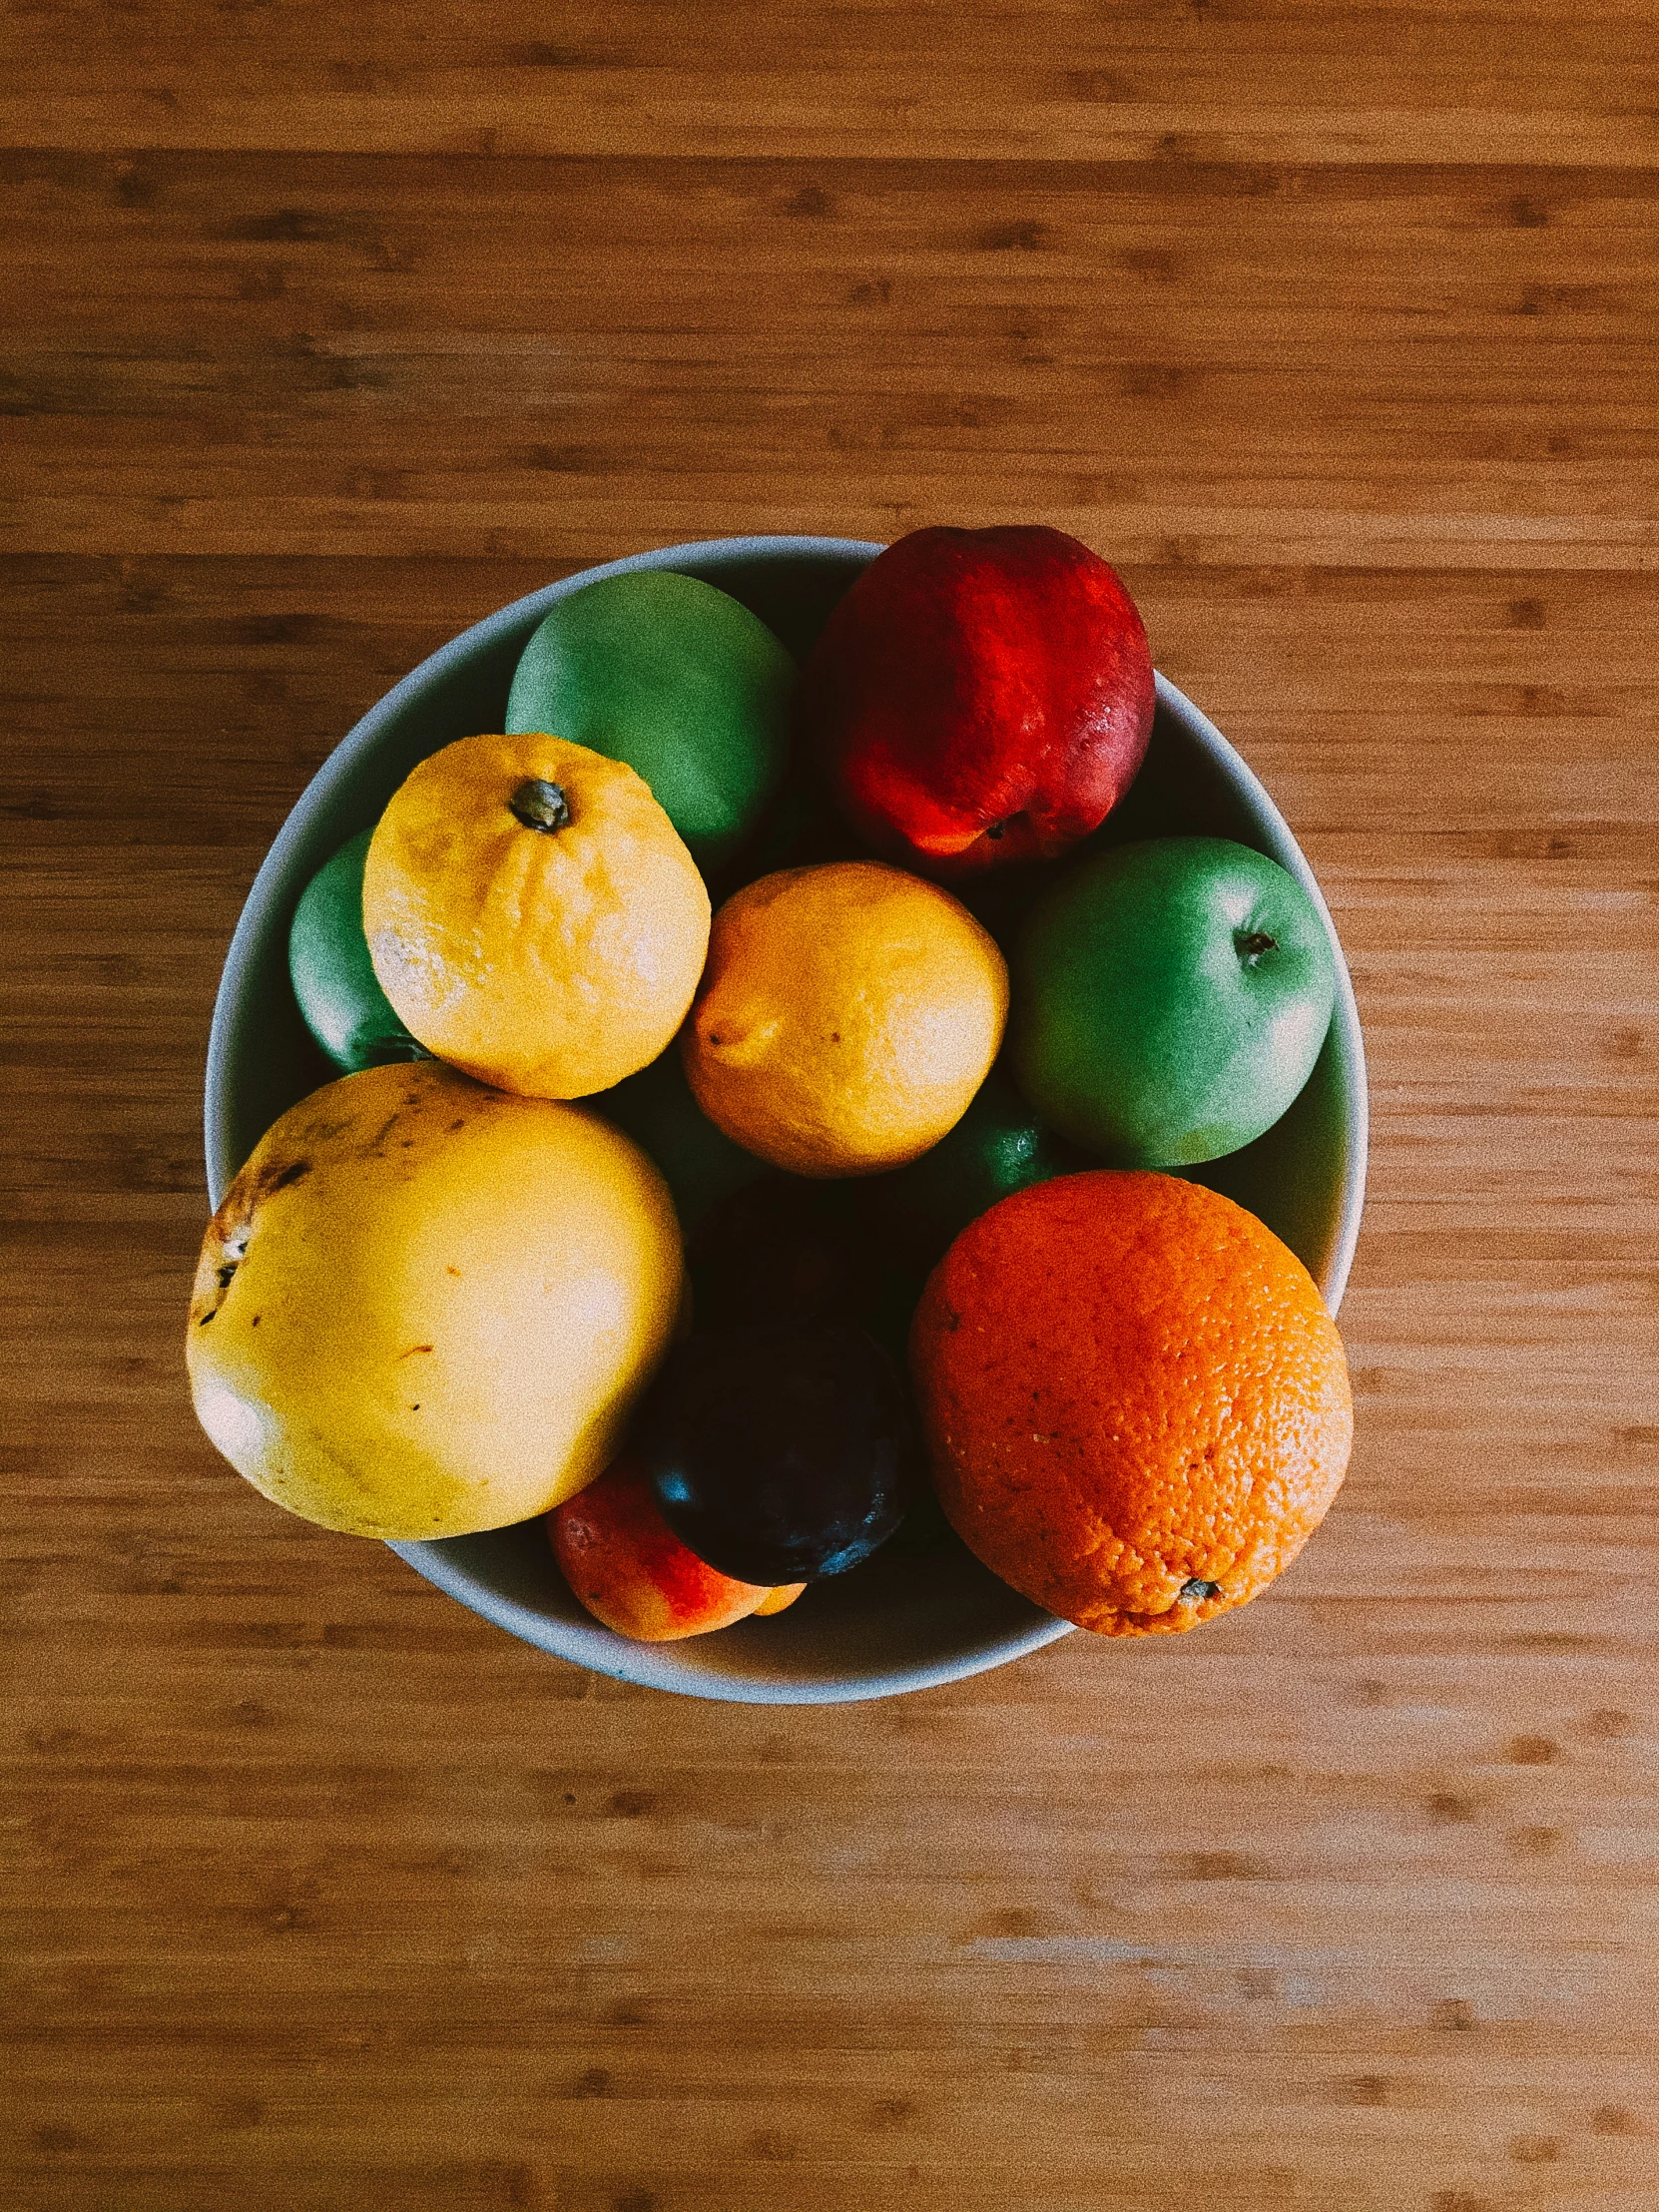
(426, 1308)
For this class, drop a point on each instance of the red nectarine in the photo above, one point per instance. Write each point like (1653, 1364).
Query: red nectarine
(626, 1566)
(980, 696)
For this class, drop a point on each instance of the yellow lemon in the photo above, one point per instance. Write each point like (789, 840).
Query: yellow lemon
(426, 1308)
(847, 1014)
(533, 915)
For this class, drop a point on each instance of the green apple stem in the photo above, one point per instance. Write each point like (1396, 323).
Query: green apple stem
(540, 804)
(1253, 947)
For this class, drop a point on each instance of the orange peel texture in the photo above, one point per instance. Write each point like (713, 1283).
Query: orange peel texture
(1137, 1408)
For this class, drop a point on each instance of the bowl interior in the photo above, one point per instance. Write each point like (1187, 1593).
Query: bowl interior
(902, 1621)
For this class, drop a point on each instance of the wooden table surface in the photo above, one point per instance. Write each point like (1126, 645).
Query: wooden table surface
(1336, 328)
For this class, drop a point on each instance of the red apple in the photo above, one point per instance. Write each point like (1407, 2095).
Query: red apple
(626, 1566)
(980, 696)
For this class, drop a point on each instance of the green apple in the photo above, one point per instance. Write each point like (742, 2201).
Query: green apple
(1169, 1000)
(679, 680)
(333, 979)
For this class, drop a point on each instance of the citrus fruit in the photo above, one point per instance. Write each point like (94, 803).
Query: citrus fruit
(426, 1308)
(847, 1016)
(1137, 1408)
(335, 984)
(533, 915)
(1173, 998)
(677, 679)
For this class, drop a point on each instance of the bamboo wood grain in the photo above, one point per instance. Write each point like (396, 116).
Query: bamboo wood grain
(1337, 330)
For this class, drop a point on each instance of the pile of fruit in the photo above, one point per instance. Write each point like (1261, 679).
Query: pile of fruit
(740, 1239)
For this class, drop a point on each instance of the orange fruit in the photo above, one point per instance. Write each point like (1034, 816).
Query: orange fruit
(533, 915)
(1135, 1404)
(847, 1016)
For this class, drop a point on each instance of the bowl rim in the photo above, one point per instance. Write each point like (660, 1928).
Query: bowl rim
(652, 1665)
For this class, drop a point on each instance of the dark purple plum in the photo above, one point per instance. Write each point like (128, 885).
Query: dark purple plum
(779, 1456)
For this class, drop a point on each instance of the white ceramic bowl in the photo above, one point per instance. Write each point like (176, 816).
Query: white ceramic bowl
(900, 1622)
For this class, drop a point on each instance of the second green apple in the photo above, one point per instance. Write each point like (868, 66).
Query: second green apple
(1171, 1000)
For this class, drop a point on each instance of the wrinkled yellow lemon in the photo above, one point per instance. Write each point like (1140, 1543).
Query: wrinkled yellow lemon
(533, 915)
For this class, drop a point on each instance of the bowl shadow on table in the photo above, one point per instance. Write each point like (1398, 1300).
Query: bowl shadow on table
(914, 1614)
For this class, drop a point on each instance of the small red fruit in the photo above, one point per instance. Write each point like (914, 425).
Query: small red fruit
(626, 1566)
(980, 696)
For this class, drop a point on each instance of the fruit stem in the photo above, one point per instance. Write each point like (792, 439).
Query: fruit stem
(540, 804)
(1251, 948)
(1196, 1591)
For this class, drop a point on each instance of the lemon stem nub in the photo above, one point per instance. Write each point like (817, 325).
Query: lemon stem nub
(540, 804)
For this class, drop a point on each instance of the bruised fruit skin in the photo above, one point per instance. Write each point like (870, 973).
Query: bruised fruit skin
(626, 1566)
(981, 697)
(425, 1307)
